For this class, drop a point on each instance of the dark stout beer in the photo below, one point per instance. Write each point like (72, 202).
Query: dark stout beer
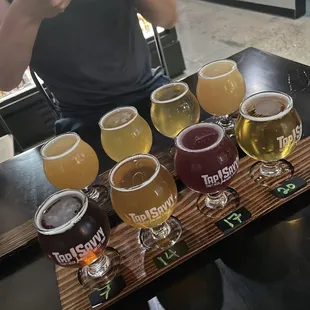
(73, 231)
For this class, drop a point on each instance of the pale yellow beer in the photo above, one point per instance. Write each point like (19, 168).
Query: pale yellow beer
(220, 88)
(268, 127)
(174, 108)
(124, 133)
(69, 162)
(143, 193)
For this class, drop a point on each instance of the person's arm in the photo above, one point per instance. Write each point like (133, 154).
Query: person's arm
(161, 13)
(19, 26)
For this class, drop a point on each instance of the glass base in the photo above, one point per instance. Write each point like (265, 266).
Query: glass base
(218, 205)
(271, 174)
(98, 193)
(101, 272)
(171, 232)
(226, 122)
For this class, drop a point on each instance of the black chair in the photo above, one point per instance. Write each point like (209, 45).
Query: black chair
(50, 99)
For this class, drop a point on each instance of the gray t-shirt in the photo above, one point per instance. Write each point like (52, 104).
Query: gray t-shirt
(92, 55)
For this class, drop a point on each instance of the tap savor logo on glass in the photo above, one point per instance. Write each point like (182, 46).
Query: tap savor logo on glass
(294, 137)
(154, 213)
(78, 252)
(222, 175)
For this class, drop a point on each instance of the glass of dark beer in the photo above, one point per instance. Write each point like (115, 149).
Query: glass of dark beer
(73, 231)
(206, 161)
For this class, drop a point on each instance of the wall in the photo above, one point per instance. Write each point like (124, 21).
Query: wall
(288, 4)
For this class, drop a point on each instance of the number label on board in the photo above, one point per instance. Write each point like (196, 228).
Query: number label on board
(289, 187)
(100, 296)
(233, 220)
(171, 255)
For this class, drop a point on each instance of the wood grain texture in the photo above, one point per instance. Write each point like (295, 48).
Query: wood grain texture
(17, 238)
(199, 233)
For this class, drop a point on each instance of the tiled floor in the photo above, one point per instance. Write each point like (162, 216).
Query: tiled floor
(209, 31)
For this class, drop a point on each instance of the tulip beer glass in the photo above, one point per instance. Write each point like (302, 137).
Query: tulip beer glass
(69, 162)
(124, 133)
(74, 231)
(144, 195)
(220, 90)
(268, 129)
(173, 108)
(206, 161)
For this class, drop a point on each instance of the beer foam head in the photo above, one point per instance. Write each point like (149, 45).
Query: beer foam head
(169, 92)
(266, 106)
(217, 69)
(200, 135)
(60, 146)
(130, 159)
(65, 209)
(118, 118)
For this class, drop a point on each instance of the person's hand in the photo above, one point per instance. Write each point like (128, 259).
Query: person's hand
(41, 9)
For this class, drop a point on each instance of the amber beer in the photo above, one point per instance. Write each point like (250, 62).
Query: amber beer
(144, 195)
(69, 162)
(220, 88)
(268, 127)
(124, 133)
(174, 108)
(72, 230)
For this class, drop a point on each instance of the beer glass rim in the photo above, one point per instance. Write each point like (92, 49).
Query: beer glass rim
(248, 100)
(68, 225)
(186, 89)
(137, 187)
(100, 123)
(178, 140)
(54, 139)
(201, 74)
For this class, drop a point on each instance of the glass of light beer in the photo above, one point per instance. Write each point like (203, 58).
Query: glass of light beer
(174, 108)
(69, 162)
(144, 195)
(220, 90)
(268, 129)
(206, 161)
(124, 133)
(73, 231)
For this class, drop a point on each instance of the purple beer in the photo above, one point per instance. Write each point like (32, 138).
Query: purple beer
(206, 161)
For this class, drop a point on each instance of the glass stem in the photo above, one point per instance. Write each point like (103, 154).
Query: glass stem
(91, 192)
(216, 200)
(99, 267)
(161, 231)
(270, 168)
(226, 120)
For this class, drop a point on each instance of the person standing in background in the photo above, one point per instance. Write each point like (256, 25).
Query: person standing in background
(90, 53)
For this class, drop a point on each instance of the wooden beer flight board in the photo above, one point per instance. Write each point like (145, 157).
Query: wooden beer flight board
(138, 267)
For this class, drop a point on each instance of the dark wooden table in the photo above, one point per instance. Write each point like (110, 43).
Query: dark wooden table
(264, 266)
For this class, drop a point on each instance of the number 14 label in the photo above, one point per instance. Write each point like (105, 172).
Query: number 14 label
(169, 256)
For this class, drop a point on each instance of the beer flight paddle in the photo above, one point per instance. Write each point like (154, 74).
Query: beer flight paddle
(199, 232)
(144, 193)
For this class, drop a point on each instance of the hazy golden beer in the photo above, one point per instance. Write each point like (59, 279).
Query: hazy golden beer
(174, 108)
(143, 193)
(69, 162)
(220, 88)
(268, 127)
(124, 133)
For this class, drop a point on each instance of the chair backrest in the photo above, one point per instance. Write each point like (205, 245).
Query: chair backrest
(45, 95)
(6, 148)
